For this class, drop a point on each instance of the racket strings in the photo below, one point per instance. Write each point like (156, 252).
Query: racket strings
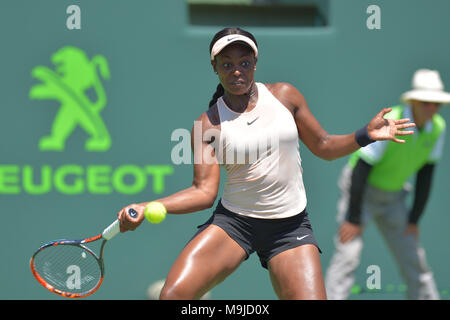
(68, 268)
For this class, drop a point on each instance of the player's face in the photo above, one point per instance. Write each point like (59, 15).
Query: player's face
(235, 66)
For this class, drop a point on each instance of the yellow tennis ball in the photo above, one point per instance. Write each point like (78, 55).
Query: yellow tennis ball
(155, 212)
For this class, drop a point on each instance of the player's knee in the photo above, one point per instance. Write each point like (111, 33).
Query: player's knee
(175, 292)
(168, 292)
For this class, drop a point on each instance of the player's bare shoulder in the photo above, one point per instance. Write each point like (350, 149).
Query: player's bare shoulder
(208, 120)
(213, 115)
(288, 95)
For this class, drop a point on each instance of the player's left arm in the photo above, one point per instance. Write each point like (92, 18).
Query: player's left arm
(328, 146)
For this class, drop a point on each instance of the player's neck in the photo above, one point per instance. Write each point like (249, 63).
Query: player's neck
(242, 103)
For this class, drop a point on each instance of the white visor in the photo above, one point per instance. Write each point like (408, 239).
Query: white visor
(225, 41)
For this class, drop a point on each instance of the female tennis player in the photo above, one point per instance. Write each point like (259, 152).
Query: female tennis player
(263, 205)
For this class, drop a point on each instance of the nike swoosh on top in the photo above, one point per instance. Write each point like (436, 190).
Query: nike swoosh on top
(301, 238)
(229, 39)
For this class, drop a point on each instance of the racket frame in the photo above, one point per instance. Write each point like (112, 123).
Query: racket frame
(78, 243)
(110, 232)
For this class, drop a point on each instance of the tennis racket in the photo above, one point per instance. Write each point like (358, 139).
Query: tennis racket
(69, 268)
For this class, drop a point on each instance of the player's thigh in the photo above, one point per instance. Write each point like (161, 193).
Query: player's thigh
(297, 273)
(205, 261)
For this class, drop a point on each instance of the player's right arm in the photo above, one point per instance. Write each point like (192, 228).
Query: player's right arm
(205, 184)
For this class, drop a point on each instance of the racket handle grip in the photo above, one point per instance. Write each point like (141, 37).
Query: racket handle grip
(114, 228)
(111, 231)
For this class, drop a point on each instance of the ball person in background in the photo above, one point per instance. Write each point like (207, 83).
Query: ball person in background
(374, 185)
(263, 206)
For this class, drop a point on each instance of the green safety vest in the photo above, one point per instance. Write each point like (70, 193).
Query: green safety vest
(401, 160)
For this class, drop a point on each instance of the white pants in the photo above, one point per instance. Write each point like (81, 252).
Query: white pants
(389, 211)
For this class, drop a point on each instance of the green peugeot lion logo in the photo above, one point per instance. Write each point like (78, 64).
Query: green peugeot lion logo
(74, 74)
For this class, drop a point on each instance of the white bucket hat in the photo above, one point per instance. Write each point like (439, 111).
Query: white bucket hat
(427, 86)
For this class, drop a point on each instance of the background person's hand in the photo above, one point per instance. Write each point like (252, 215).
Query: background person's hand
(412, 228)
(348, 230)
(380, 128)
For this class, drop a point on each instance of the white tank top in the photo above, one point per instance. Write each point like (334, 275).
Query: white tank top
(259, 150)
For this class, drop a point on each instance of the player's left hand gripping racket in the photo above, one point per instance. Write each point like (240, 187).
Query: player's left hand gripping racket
(69, 268)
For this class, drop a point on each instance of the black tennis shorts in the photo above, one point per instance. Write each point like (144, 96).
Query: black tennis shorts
(268, 237)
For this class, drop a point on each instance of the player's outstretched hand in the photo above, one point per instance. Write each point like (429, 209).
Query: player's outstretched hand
(380, 128)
